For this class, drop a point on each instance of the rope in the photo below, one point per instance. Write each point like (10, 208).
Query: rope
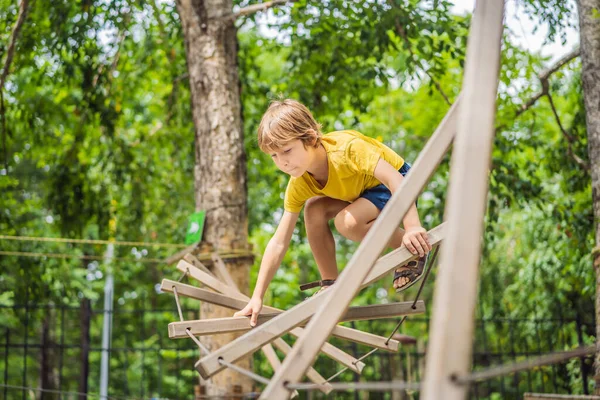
(177, 302)
(182, 277)
(195, 339)
(231, 254)
(80, 257)
(244, 371)
(90, 241)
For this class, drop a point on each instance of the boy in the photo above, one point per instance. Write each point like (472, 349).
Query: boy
(342, 175)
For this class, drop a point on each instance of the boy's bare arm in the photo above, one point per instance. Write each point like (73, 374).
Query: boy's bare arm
(415, 238)
(274, 253)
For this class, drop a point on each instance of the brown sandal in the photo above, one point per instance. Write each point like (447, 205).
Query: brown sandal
(324, 284)
(413, 273)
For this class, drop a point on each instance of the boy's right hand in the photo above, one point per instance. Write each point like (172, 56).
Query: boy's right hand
(252, 308)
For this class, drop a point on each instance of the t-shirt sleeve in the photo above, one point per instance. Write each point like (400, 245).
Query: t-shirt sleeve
(363, 156)
(293, 200)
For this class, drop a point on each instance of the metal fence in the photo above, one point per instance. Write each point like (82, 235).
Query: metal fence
(54, 352)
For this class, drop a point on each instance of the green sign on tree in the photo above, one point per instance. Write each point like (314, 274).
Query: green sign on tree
(195, 227)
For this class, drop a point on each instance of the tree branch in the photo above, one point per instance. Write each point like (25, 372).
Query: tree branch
(570, 138)
(23, 7)
(544, 77)
(402, 32)
(256, 8)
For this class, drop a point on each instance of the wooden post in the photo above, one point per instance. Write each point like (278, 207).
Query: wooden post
(451, 331)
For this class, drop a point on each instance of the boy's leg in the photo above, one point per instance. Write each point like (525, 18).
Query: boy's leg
(318, 211)
(354, 221)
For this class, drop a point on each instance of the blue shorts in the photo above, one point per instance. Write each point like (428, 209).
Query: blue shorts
(380, 194)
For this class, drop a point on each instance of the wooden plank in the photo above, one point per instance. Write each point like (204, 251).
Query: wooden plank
(179, 255)
(395, 258)
(340, 295)
(357, 313)
(202, 294)
(339, 331)
(451, 330)
(192, 259)
(329, 350)
(267, 332)
(311, 374)
(222, 272)
(208, 280)
(268, 350)
(215, 326)
(188, 291)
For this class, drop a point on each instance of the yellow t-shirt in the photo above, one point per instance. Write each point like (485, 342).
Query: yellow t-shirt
(352, 158)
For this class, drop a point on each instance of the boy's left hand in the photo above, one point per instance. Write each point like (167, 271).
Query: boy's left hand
(416, 241)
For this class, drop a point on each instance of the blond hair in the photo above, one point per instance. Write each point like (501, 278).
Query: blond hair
(285, 121)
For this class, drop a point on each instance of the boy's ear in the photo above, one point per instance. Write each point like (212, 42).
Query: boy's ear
(314, 137)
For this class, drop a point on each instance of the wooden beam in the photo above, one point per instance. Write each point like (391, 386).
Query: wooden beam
(215, 326)
(328, 349)
(221, 271)
(451, 331)
(395, 258)
(339, 331)
(358, 313)
(340, 295)
(179, 255)
(192, 259)
(209, 280)
(311, 374)
(276, 327)
(268, 350)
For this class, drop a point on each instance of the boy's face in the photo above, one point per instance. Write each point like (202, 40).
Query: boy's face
(293, 158)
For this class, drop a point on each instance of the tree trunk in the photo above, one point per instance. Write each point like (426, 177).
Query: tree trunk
(220, 169)
(589, 24)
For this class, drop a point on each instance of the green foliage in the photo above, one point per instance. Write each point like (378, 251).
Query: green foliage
(100, 145)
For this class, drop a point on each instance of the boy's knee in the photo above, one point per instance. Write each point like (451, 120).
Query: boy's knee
(346, 225)
(317, 208)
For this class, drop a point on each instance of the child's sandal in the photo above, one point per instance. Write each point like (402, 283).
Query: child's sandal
(414, 272)
(324, 284)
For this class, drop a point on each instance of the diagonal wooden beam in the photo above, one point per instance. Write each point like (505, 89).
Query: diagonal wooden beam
(328, 349)
(260, 335)
(221, 271)
(267, 349)
(339, 296)
(311, 374)
(192, 259)
(214, 326)
(451, 332)
(339, 331)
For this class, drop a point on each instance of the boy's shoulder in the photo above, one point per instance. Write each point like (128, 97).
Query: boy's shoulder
(347, 134)
(339, 140)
